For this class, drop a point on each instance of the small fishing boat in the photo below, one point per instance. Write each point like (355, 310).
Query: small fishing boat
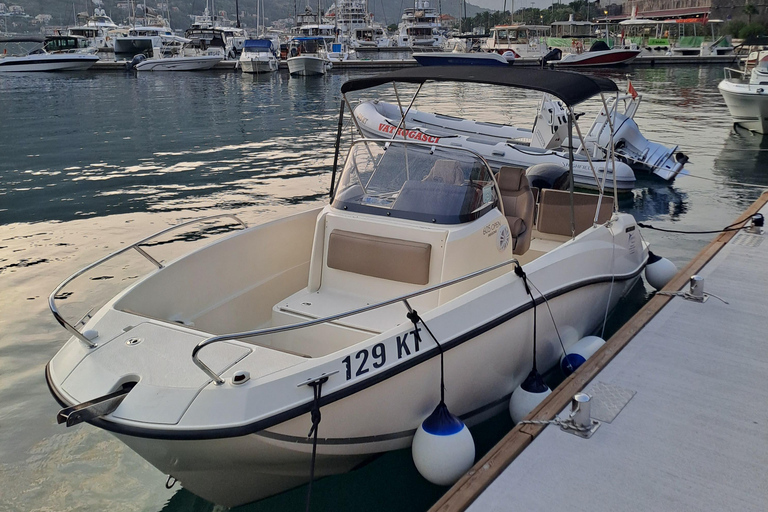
(215, 365)
(307, 56)
(745, 92)
(259, 56)
(42, 60)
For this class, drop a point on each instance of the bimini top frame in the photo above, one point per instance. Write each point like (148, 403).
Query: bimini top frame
(571, 88)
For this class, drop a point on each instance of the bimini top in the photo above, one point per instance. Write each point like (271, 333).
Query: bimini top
(572, 88)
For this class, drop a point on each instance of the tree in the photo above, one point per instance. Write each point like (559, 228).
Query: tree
(749, 10)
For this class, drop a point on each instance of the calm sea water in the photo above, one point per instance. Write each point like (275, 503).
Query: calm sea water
(90, 162)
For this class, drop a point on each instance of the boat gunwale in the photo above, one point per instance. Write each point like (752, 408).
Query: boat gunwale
(346, 391)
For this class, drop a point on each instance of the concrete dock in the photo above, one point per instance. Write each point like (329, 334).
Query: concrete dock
(681, 393)
(386, 64)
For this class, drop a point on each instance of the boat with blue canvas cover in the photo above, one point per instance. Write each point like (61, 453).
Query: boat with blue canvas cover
(259, 56)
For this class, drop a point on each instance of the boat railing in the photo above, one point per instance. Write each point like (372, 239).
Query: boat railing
(134, 246)
(729, 72)
(275, 330)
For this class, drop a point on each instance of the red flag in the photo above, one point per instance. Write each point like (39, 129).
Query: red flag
(631, 90)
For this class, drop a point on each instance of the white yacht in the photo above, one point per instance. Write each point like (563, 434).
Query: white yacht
(214, 366)
(209, 31)
(99, 30)
(142, 39)
(356, 26)
(420, 26)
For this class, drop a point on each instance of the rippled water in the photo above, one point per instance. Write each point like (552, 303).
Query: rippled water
(90, 162)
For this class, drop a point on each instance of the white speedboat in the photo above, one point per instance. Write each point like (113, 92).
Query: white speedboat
(598, 55)
(41, 60)
(307, 56)
(210, 367)
(259, 56)
(179, 63)
(747, 98)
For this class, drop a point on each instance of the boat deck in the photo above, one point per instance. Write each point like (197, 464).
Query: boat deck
(681, 391)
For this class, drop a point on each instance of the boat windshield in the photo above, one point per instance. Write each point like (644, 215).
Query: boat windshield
(415, 181)
(762, 66)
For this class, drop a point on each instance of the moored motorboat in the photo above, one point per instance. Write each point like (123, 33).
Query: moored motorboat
(598, 55)
(259, 56)
(214, 366)
(179, 63)
(41, 60)
(307, 56)
(747, 99)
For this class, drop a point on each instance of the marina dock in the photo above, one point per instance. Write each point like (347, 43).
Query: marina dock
(387, 64)
(680, 393)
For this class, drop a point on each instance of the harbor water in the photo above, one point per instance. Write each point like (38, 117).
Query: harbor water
(91, 162)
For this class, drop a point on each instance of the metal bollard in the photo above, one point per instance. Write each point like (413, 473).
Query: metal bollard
(696, 284)
(580, 411)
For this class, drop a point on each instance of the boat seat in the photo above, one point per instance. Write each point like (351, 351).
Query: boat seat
(517, 199)
(555, 211)
(435, 197)
(377, 256)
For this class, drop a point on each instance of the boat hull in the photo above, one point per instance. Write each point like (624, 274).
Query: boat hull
(305, 65)
(258, 66)
(460, 59)
(598, 58)
(197, 63)
(747, 103)
(233, 445)
(47, 62)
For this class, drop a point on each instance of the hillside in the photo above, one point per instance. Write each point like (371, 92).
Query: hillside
(62, 13)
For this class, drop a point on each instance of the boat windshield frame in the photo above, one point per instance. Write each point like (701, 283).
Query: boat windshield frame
(457, 186)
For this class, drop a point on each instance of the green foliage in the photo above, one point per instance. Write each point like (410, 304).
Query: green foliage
(753, 29)
(732, 28)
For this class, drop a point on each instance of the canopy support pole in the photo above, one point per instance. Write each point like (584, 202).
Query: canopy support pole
(338, 147)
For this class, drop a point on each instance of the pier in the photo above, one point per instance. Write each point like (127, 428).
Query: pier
(388, 64)
(679, 392)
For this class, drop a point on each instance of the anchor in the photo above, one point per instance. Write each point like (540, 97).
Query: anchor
(94, 408)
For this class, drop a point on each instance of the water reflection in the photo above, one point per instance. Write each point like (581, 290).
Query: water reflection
(743, 158)
(653, 198)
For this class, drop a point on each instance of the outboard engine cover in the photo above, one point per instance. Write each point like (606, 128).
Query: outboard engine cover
(550, 128)
(136, 59)
(554, 54)
(547, 176)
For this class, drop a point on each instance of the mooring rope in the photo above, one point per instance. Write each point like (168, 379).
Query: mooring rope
(414, 317)
(317, 388)
(729, 227)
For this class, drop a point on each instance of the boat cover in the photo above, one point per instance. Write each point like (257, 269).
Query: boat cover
(571, 88)
(257, 43)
